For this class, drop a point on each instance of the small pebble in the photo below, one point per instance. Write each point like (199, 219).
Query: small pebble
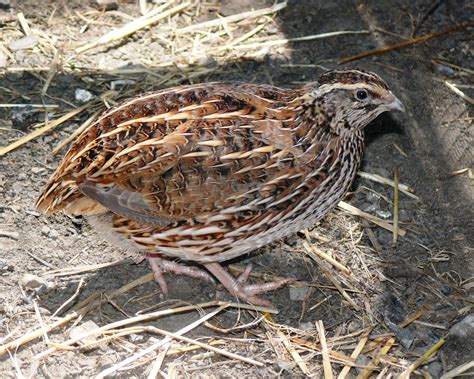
(88, 362)
(383, 214)
(53, 234)
(435, 369)
(369, 208)
(136, 338)
(362, 360)
(33, 282)
(444, 70)
(206, 60)
(17, 187)
(83, 95)
(24, 43)
(298, 294)
(107, 5)
(6, 267)
(306, 326)
(45, 230)
(464, 329)
(23, 117)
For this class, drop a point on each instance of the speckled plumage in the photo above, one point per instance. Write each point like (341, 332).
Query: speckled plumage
(209, 172)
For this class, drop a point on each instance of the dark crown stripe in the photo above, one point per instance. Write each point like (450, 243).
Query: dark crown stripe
(351, 76)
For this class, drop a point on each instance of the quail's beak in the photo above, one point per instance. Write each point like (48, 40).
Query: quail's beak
(393, 104)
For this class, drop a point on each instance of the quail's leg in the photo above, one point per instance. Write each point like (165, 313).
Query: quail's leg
(161, 265)
(238, 288)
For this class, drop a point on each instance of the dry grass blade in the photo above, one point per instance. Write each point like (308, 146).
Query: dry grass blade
(36, 133)
(242, 38)
(294, 354)
(81, 269)
(128, 321)
(357, 212)
(71, 299)
(133, 26)
(297, 39)
(157, 345)
(324, 350)
(423, 359)
(413, 318)
(460, 93)
(458, 371)
(354, 355)
(31, 336)
(395, 205)
(328, 275)
(311, 249)
(206, 346)
(23, 23)
(365, 374)
(234, 18)
(380, 179)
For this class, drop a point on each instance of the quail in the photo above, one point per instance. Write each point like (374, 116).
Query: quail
(209, 172)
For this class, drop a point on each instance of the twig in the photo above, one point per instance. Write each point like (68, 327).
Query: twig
(405, 43)
(24, 23)
(357, 212)
(424, 358)
(297, 39)
(81, 269)
(354, 355)
(380, 179)
(133, 26)
(327, 274)
(71, 299)
(294, 354)
(428, 13)
(324, 350)
(413, 318)
(375, 361)
(242, 38)
(36, 133)
(457, 371)
(157, 345)
(395, 205)
(13, 345)
(311, 249)
(460, 93)
(42, 261)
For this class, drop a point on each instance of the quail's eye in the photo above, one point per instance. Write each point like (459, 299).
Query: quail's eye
(362, 94)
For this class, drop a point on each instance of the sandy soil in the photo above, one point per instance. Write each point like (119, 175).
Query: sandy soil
(430, 267)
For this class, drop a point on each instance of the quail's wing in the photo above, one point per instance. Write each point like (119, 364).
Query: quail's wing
(186, 152)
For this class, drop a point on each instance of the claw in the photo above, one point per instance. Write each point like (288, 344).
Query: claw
(238, 288)
(160, 265)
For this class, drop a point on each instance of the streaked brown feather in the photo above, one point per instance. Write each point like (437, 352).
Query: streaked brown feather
(211, 171)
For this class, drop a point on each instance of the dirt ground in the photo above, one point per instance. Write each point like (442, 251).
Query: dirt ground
(429, 270)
